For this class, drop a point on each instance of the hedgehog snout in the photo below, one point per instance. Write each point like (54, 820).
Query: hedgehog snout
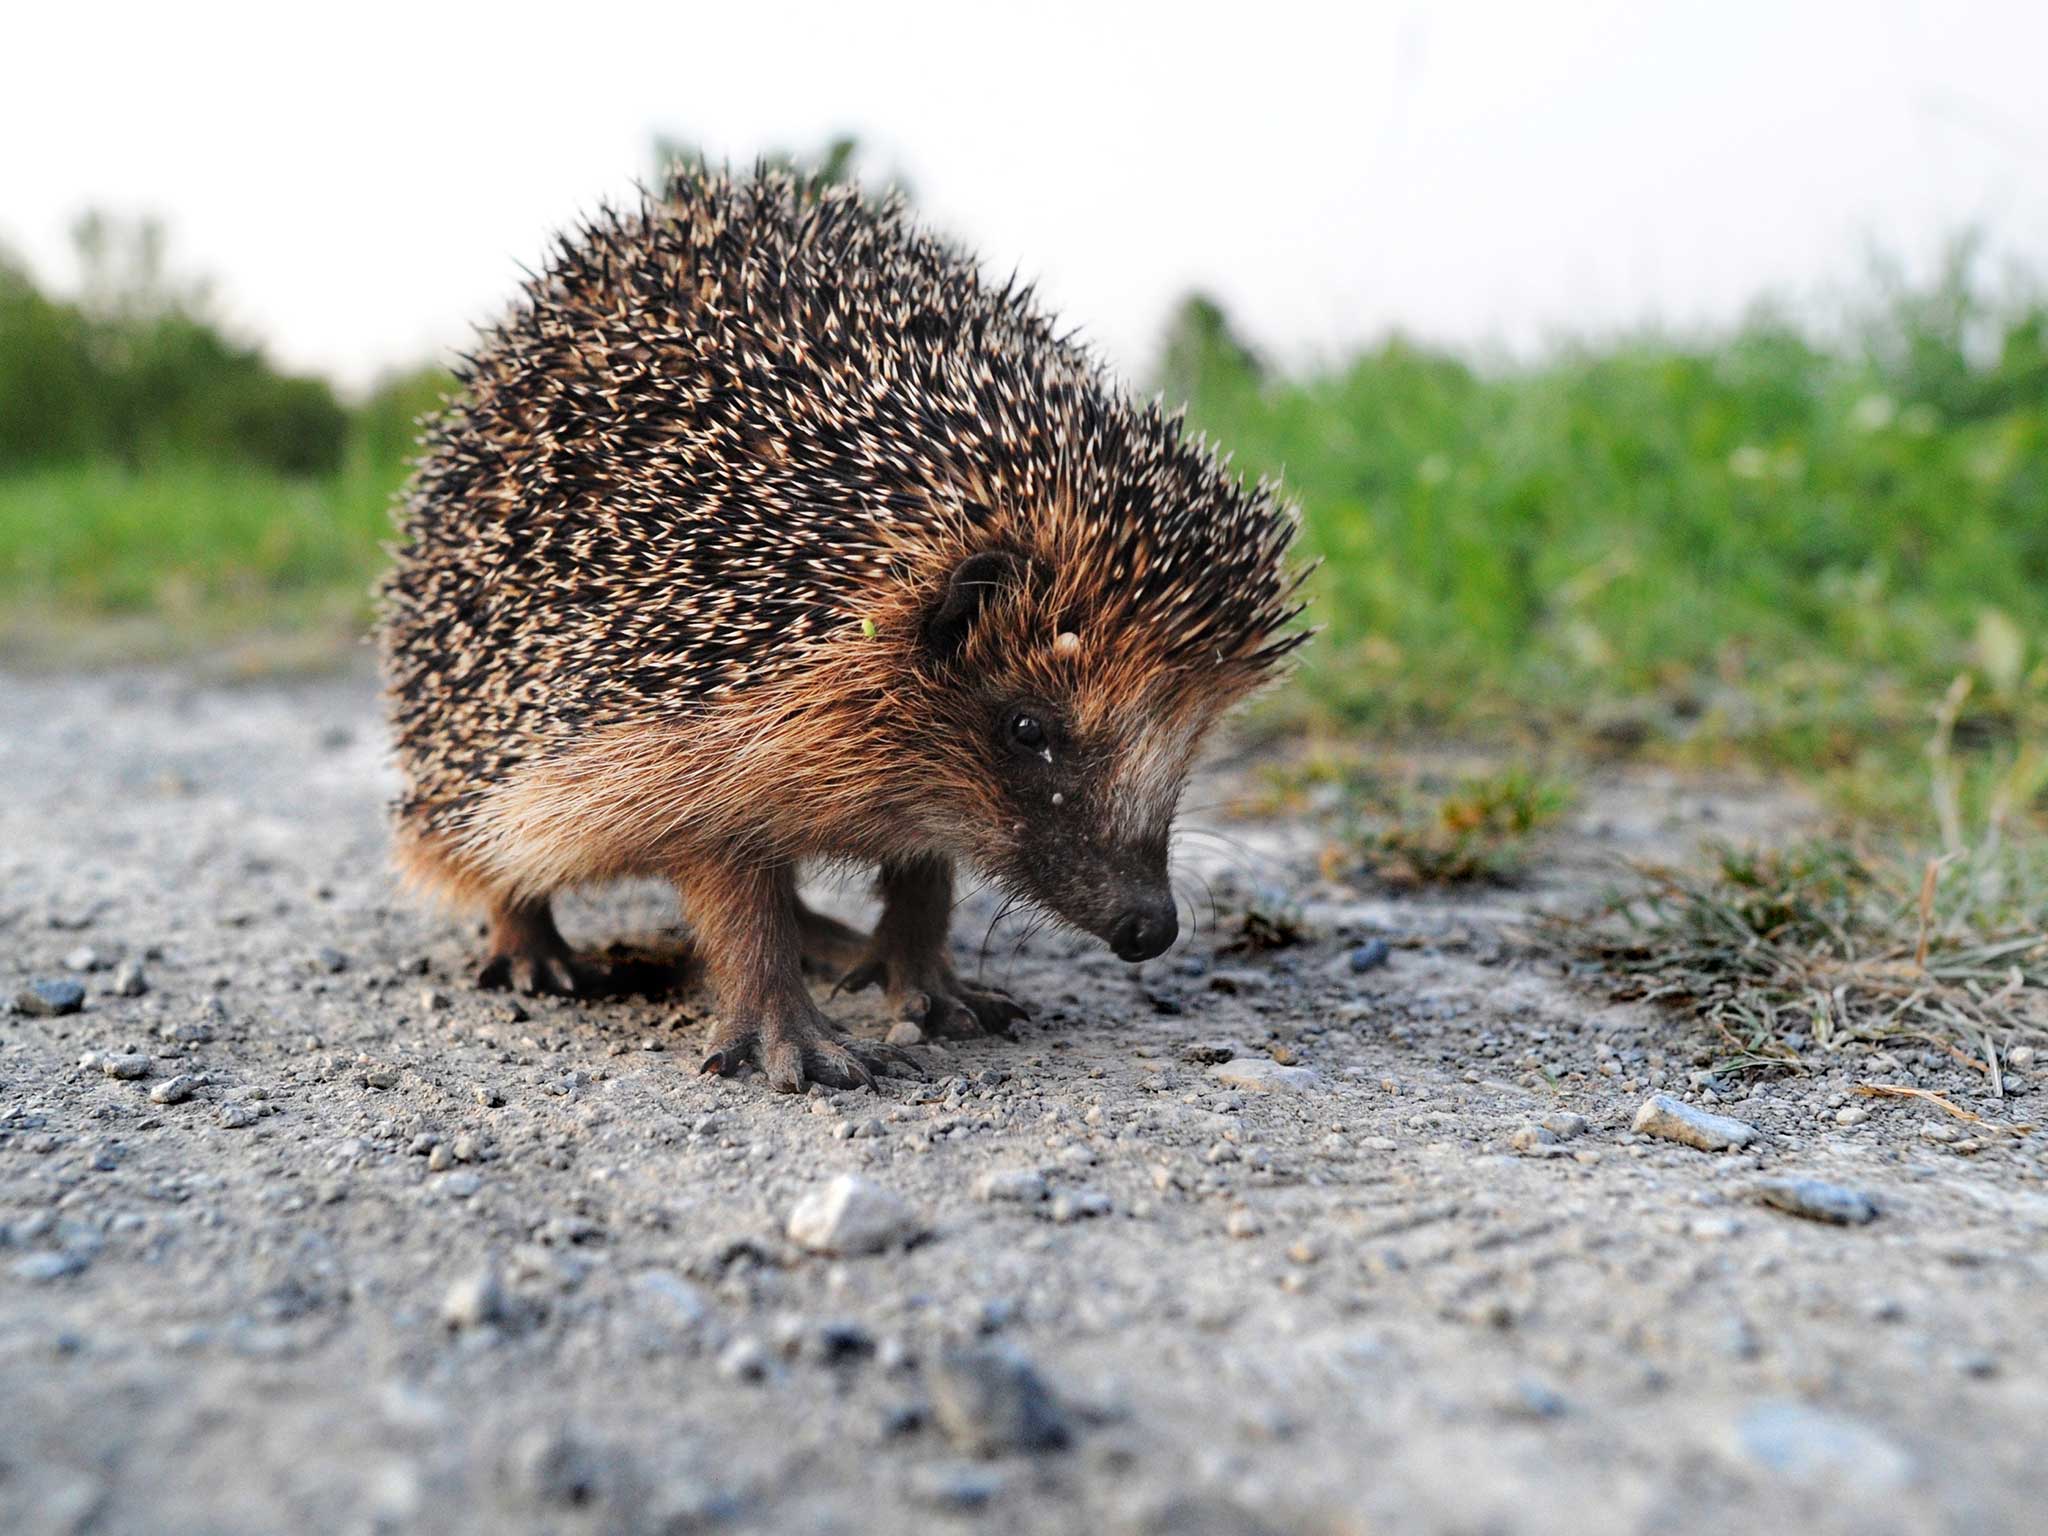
(1145, 930)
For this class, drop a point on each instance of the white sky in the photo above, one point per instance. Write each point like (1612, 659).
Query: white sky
(362, 178)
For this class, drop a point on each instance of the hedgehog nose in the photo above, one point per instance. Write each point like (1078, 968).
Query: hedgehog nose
(1145, 931)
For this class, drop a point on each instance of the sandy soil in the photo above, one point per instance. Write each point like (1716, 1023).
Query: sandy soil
(412, 1258)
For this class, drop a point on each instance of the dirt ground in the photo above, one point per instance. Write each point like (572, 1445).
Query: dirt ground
(397, 1255)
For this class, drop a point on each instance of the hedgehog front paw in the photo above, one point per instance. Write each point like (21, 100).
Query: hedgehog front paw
(798, 1049)
(932, 997)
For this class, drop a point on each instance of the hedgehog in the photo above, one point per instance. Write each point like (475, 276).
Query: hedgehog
(767, 534)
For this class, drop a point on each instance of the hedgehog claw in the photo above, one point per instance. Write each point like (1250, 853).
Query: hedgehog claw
(535, 974)
(793, 1053)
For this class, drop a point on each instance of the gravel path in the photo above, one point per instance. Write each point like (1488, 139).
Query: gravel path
(300, 1233)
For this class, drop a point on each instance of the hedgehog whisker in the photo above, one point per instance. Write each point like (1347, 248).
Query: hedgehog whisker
(1010, 904)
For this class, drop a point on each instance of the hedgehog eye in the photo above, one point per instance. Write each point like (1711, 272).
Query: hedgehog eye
(1027, 730)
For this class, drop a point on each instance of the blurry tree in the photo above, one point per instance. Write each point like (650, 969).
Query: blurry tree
(140, 368)
(1201, 355)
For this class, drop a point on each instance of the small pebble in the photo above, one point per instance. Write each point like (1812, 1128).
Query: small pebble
(851, 1215)
(127, 1065)
(1243, 1224)
(904, 1033)
(955, 1486)
(990, 1401)
(50, 999)
(744, 1359)
(1673, 1119)
(238, 1116)
(1022, 1186)
(1370, 956)
(174, 1090)
(1818, 1200)
(41, 1268)
(130, 980)
(1266, 1076)
(476, 1300)
(1079, 1205)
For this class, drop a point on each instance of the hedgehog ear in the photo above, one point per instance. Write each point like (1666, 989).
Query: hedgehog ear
(974, 581)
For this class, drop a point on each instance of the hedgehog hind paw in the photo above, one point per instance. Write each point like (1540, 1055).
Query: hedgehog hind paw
(539, 972)
(942, 1005)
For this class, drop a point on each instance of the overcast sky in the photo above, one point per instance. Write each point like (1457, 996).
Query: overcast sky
(361, 179)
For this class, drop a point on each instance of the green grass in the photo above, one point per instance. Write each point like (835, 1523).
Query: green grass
(1651, 520)
(210, 547)
(1747, 546)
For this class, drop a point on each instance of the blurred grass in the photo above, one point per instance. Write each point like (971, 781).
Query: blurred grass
(1754, 546)
(219, 545)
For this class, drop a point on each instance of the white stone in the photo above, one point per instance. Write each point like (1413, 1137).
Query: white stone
(852, 1215)
(1023, 1185)
(1675, 1120)
(1262, 1075)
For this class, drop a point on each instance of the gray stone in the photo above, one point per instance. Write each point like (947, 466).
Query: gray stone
(476, 1300)
(1672, 1119)
(48, 999)
(1370, 956)
(990, 1401)
(127, 1065)
(1079, 1205)
(175, 1090)
(1263, 1075)
(41, 1268)
(1818, 1200)
(670, 1299)
(1531, 1397)
(552, 1466)
(744, 1359)
(237, 1117)
(1023, 1186)
(851, 1215)
(1809, 1446)
(955, 1485)
(130, 980)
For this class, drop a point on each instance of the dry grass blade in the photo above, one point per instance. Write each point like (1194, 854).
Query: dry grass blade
(1817, 947)
(1928, 1095)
